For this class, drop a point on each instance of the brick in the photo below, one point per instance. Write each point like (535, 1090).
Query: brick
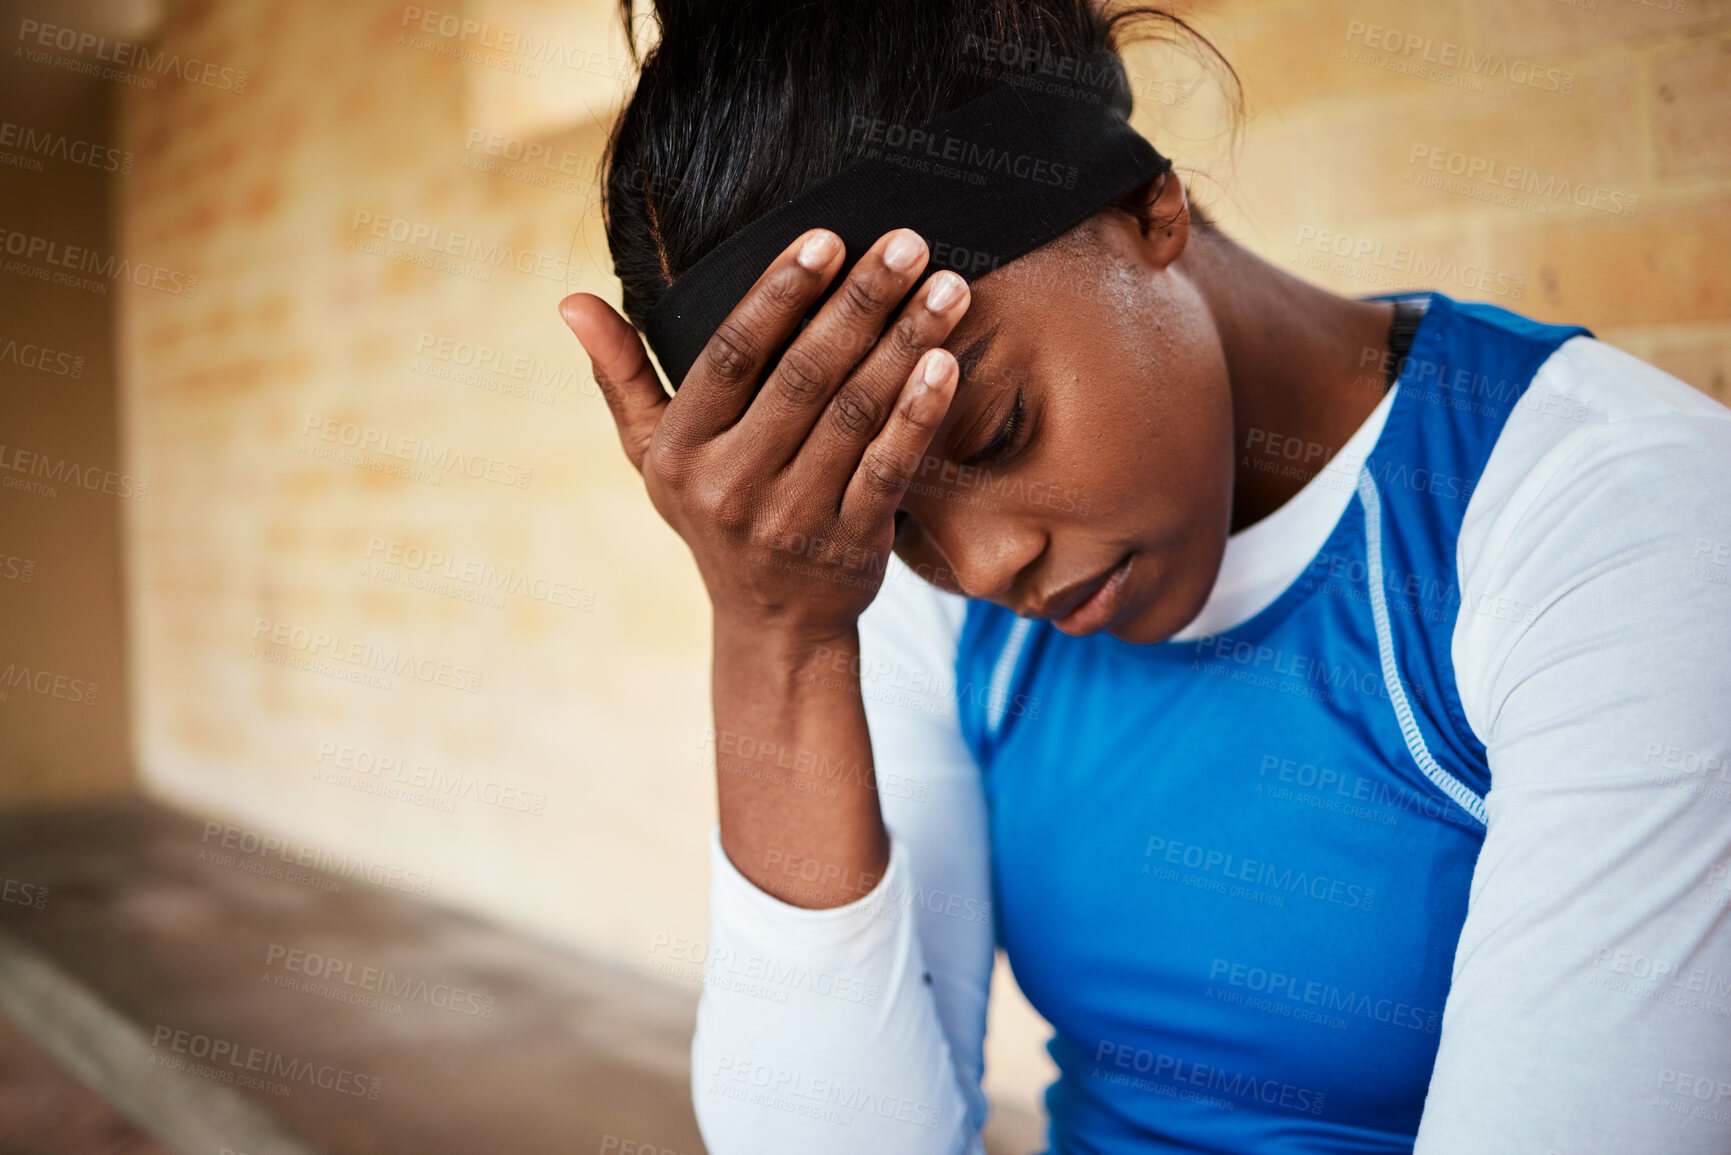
(1291, 53)
(1692, 111)
(1703, 363)
(1377, 165)
(1663, 267)
(1563, 30)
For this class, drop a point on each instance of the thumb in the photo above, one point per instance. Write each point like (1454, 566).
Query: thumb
(622, 370)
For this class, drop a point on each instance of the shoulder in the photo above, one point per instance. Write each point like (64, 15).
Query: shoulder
(909, 637)
(1592, 408)
(1598, 434)
(1602, 522)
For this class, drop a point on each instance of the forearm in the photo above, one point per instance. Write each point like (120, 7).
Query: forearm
(793, 759)
(883, 999)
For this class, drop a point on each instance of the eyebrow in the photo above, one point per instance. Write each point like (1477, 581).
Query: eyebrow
(969, 359)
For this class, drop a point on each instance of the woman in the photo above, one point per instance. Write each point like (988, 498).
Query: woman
(1322, 701)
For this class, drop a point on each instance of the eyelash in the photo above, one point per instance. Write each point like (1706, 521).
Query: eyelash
(1006, 436)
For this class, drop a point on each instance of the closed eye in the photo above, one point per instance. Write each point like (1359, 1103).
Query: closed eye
(1005, 438)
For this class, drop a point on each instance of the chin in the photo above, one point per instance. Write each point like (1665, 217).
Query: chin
(1161, 612)
(1147, 629)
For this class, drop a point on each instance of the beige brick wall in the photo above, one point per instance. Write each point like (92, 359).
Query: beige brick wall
(1571, 161)
(559, 659)
(306, 324)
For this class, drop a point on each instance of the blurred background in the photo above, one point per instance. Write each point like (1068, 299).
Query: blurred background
(354, 747)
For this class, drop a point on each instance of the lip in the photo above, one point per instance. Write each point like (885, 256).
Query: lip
(1101, 597)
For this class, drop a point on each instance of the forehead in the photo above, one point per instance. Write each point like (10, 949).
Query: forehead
(1014, 307)
(1052, 277)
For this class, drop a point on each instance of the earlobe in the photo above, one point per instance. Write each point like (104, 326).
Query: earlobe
(1166, 220)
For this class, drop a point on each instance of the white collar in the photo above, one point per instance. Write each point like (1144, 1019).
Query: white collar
(1264, 558)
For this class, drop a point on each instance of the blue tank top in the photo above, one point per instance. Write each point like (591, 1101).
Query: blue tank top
(1232, 872)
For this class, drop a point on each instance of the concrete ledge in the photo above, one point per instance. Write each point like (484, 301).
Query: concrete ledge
(141, 942)
(115, 1058)
(136, 947)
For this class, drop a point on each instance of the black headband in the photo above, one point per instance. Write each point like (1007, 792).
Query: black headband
(983, 184)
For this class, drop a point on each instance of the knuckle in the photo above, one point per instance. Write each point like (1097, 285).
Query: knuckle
(888, 472)
(921, 419)
(906, 339)
(801, 376)
(852, 348)
(609, 390)
(667, 460)
(856, 411)
(725, 502)
(865, 295)
(775, 530)
(730, 352)
(786, 290)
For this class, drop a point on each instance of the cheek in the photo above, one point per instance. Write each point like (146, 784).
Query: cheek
(1153, 431)
(1190, 467)
(1191, 450)
(1193, 395)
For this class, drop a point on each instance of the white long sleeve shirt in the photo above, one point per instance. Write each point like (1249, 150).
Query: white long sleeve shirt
(1590, 1006)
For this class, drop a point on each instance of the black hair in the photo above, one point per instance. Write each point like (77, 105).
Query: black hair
(742, 104)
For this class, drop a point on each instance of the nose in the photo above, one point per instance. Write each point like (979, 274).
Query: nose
(986, 552)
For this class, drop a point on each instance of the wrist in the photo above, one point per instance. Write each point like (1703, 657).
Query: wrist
(793, 649)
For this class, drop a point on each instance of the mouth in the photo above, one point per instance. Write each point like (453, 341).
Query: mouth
(1096, 601)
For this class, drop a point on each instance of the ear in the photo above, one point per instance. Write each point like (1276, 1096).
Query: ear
(1165, 218)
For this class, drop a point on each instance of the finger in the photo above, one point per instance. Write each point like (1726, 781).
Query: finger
(860, 407)
(622, 370)
(822, 356)
(720, 385)
(893, 458)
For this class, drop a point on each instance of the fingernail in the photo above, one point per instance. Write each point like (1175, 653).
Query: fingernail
(816, 252)
(904, 251)
(946, 291)
(937, 368)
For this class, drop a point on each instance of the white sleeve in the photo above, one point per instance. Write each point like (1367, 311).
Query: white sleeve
(859, 1030)
(1590, 1010)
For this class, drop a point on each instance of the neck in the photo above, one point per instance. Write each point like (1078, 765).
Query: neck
(1303, 364)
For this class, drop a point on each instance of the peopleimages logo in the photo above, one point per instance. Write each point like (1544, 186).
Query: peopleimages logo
(1367, 258)
(461, 36)
(28, 894)
(296, 853)
(470, 579)
(258, 1061)
(1326, 997)
(37, 35)
(921, 150)
(373, 770)
(54, 256)
(801, 1093)
(47, 683)
(54, 145)
(362, 439)
(1496, 176)
(60, 471)
(1258, 872)
(42, 359)
(1174, 1069)
(1447, 54)
(438, 241)
(380, 981)
(364, 655)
